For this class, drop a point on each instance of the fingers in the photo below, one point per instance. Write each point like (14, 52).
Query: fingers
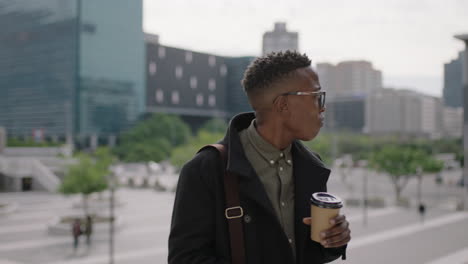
(338, 235)
(337, 219)
(337, 240)
(340, 227)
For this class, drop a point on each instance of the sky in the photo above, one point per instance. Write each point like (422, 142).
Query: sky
(408, 40)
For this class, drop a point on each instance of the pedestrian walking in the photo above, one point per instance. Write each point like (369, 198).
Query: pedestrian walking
(76, 232)
(88, 229)
(422, 211)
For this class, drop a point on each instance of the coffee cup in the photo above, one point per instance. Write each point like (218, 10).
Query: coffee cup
(323, 207)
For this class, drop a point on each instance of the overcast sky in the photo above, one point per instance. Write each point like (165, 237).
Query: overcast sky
(408, 40)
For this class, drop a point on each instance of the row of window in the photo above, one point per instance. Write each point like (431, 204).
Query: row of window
(193, 79)
(175, 98)
(188, 57)
(179, 71)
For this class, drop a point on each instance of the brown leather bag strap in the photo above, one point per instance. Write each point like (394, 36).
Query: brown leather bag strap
(233, 211)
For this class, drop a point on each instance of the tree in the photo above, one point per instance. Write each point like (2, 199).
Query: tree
(88, 176)
(184, 153)
(215, 125)
(322, 145)
(401, 163)
(152, 139)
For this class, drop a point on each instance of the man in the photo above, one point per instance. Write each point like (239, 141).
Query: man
(76, 232)
(276, 173)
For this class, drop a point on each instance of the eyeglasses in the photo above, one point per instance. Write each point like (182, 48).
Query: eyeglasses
(320, 96)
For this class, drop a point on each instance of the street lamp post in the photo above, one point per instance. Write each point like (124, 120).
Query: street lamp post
(419, 175)
(365, 197)
(111, 216)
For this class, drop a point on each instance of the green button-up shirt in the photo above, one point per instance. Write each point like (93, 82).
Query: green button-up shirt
(274, 168)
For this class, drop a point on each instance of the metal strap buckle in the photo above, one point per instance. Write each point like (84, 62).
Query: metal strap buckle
(241, 212)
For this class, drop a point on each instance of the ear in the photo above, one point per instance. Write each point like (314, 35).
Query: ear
(281, 104)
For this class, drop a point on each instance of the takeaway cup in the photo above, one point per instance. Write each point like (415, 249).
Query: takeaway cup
(323, 207)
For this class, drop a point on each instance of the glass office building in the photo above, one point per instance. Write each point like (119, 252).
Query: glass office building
(71, 67)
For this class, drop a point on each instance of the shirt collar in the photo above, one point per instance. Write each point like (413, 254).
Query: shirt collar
(266, 150)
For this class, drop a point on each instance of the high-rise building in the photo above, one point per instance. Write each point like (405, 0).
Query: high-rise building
(70, 67)
(280, 39)
(349, 77)
(464, 38)
(346, 113)
(187, 83)
(403, 112)
(194, 85)
(452, 122)
(237, 100)
(453, 86)
(327, 76)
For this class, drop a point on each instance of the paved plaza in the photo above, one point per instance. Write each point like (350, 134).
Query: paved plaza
(392, 235)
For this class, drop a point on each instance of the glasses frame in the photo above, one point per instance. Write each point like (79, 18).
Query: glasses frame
(321, 93)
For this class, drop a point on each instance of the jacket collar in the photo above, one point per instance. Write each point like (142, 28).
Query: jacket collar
(237, 160)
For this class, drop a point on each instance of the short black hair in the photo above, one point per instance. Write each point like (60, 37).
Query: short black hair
(266, 70)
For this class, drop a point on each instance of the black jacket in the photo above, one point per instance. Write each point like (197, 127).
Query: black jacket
(199, 232)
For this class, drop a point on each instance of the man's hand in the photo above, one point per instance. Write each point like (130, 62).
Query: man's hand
(336, 236)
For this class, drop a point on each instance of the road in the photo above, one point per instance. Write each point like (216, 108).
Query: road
(392, 234)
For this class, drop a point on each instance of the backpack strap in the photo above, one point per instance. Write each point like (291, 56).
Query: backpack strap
(233, 211)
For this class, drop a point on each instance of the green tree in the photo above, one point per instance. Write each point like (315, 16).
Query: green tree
(182, 154)
(88, 176)
(215, 125)
(322, 145)
(401, 163)
(460, 157)
(152, 139)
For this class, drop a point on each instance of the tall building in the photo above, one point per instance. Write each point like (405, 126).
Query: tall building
(452, 122)
(403, 112)
(464, 38)
(194, 85)
(237, 100)
(346, 113)
(453, 86)
(280, 39)
(187, 83)
(70, 67)
(349, 77)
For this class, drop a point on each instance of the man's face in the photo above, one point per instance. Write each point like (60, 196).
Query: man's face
(305, 117)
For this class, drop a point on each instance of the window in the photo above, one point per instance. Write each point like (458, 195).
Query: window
(175, 97)
(188, 57)
(212, 84)
(179, 72)
(223, 70)
(212, 100)
(212, 61)
(193, 82)
(199, 99)
(152, 68)
(159, 96)
(161, 52)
